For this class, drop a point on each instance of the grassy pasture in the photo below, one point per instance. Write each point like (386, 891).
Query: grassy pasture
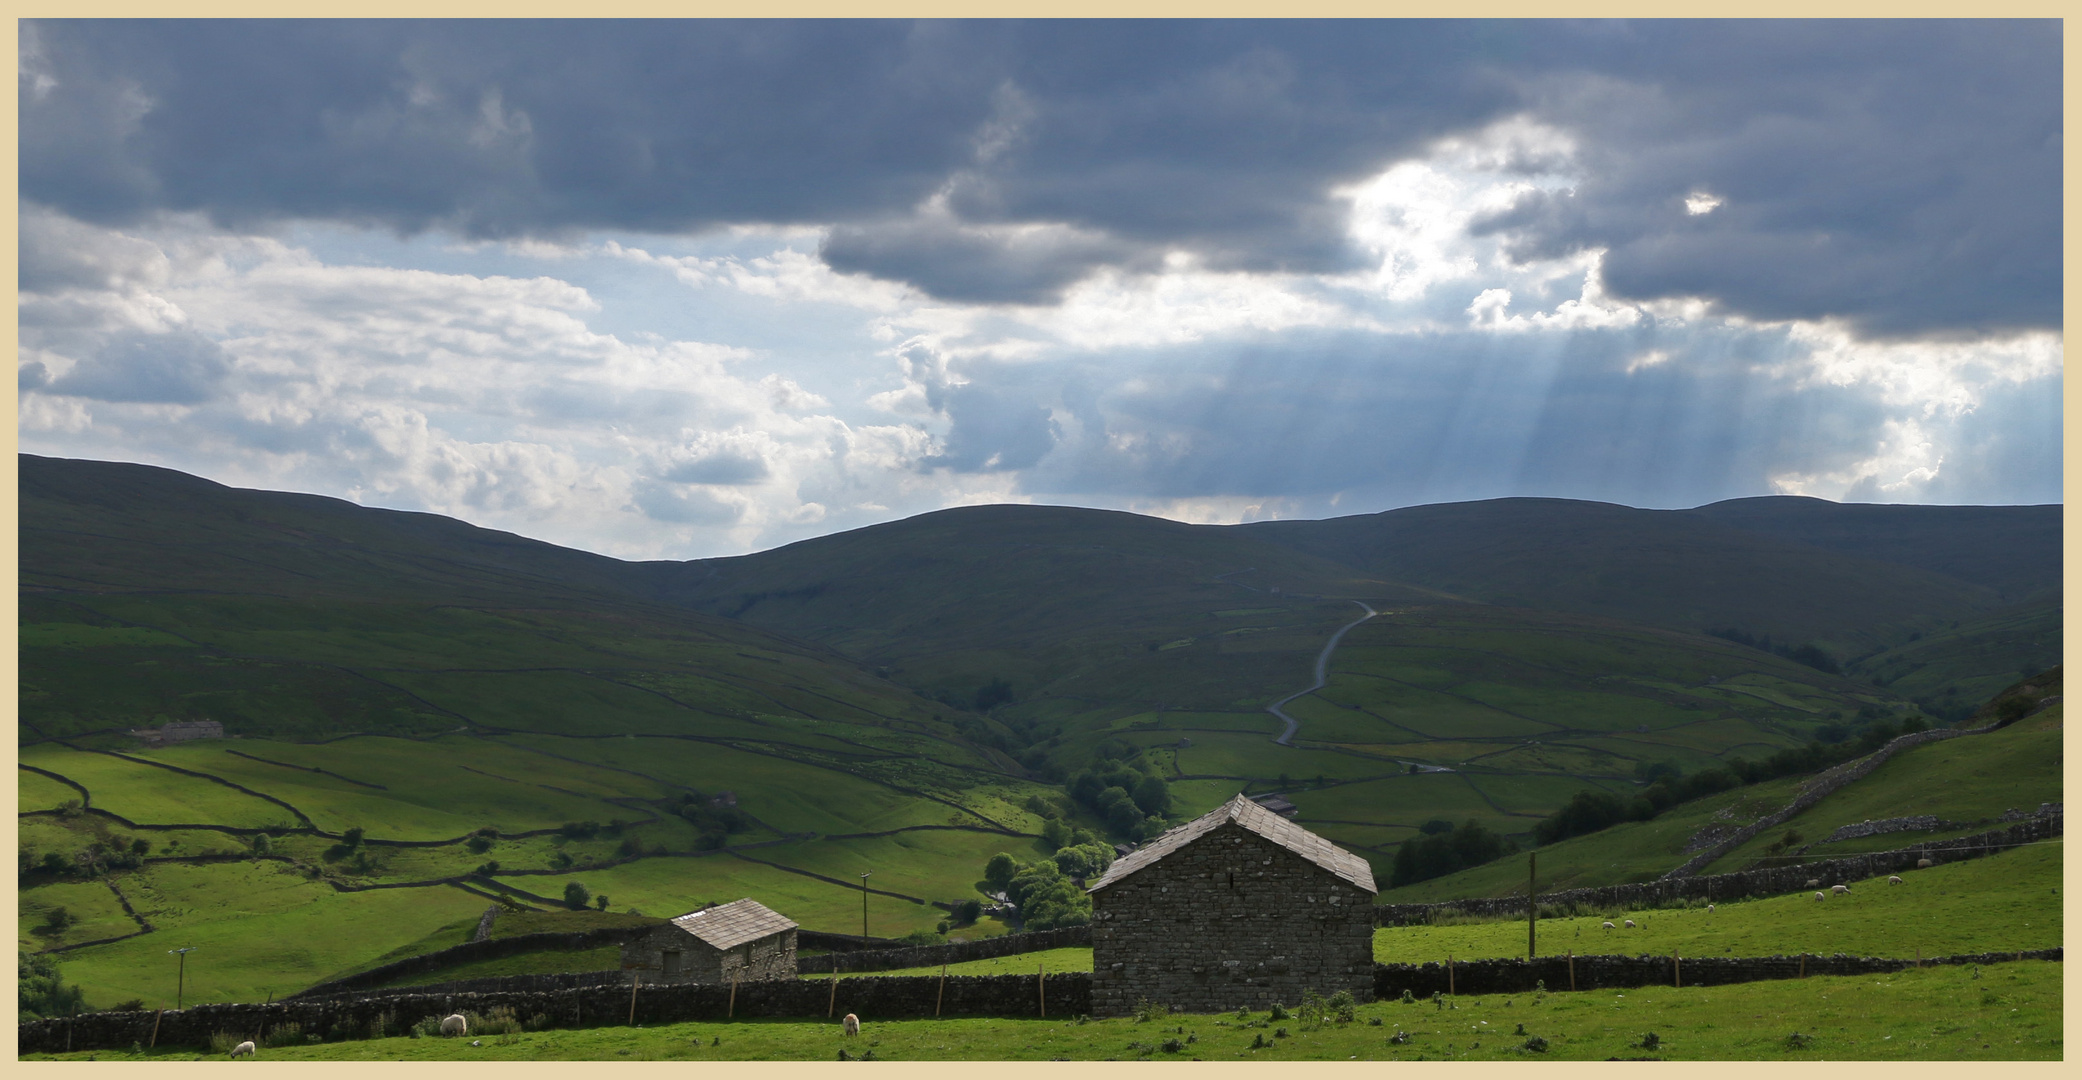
(37, 792)
(98, 913)
(1634, 851)
(435, 789)
(259, 929)
(675, 886)
(1402, 800)
(154, 796)
(2003, 902)
(788, 795)
(1969, 779)
(2012, 1013)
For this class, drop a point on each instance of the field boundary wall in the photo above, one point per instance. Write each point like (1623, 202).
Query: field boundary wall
(488, 949)
(1823, 785)
(951, 953)
(887, 997)
(1769, 881)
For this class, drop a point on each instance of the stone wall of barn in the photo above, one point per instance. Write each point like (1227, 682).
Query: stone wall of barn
(1231, 919)
(696, 961)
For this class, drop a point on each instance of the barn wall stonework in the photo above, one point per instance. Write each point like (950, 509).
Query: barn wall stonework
(1229, 920)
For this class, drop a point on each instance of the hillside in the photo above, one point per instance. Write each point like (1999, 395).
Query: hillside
(481, 713)
(1684, 570)
(425, 714)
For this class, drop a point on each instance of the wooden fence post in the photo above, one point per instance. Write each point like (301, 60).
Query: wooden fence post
(1449, 975)
(1803, 965)
(1041, 984)
(942, 998)
(1572, 969)
(831, 1009)
(732, 1014)
(1676, 969)
(632, 998)
(155, 1027)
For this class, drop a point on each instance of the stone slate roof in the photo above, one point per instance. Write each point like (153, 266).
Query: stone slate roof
(735, 923)
(1257, 819)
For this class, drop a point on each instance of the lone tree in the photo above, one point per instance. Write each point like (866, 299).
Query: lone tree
(576, 896)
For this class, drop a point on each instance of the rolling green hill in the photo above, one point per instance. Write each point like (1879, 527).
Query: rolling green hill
(1684, 570)
(907, 699)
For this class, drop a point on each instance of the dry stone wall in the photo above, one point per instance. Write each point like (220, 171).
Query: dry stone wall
(1772, 881)
(489, 949)
(1824, 784)
(952, 953)
(1231, 919)
(1619, 972)
(351, 1017)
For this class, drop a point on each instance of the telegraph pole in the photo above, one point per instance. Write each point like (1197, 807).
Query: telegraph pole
(181, 979)
(864, 875)
(1532, 900)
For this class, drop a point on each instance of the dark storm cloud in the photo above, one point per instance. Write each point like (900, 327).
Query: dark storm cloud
(1904, 176)
(180, 368)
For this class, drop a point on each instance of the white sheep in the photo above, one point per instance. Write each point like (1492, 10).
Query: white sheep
(1839, 888)
(1813, 882)
(1629, 923)
(455, 1025)
(1607, 925)
(1893, 881)
(1709, 909)
(242, 1049)
(852, 1025)
(1922, 864)
(1821, 896)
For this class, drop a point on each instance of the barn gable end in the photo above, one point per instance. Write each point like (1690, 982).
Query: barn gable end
(1239, 907)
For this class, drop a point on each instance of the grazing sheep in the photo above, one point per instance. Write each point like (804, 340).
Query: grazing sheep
(1709, 909)
(852, 1025)
(1821, 896)
(455, 1025)
(1922, 864)
(242, 1049)
(1839, 888)
(1607, 925)
(1893, 881)
(1629, 923)
(1813, 882)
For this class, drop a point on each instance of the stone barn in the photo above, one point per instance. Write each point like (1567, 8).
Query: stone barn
(745, 941)
(1240, 907)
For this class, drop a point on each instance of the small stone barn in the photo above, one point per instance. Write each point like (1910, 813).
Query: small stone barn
(745, 941)
(1240, 907)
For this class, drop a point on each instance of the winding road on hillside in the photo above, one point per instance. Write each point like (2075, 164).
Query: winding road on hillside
(1322, 677)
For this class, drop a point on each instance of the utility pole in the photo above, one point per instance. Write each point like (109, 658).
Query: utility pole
(1532, 900)
(864, 875)
(181, 979)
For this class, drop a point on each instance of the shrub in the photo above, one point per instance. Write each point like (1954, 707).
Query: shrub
(600, 902)
(40, 989)
(576, 896)
(221, 1042)
(1343, 1006)
(292, 1033)
(57, 919)
(478, 845)
(1147, 1010)
(132, 1005)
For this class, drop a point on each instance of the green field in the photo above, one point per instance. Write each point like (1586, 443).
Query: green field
(259, 929)
(2000, 903)
(2010, 1012)
(150, 795)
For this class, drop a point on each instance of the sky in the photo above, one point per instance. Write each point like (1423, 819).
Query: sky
(688, 289)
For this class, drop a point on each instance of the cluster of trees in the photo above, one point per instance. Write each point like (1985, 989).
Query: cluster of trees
(576, 896)
(41, 991)
(1129, 794)
(1800, 654)
(1590, 811)
(1042, 890)
(1440, 849)
(712, 823)
(96, 858)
